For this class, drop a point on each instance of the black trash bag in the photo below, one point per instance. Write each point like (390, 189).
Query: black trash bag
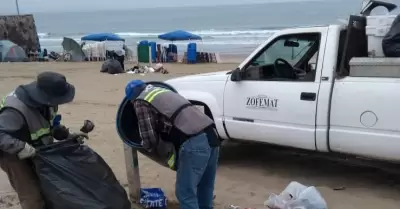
(73, 176)
(391, 41)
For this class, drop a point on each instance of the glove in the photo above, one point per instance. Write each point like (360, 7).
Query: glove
(27, 152)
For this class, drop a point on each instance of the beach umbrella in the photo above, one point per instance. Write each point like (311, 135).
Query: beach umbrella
(179, 35)
(102, 37)
(72, 47)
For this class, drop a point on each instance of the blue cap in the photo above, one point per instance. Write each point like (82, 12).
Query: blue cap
(131, 89)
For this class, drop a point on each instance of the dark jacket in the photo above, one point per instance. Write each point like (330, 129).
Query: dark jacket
(14, 130)
(391, 41)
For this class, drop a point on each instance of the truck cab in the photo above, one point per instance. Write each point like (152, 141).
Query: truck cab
(279, 86)
(296, 90)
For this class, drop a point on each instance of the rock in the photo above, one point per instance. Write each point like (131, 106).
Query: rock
(20, 29)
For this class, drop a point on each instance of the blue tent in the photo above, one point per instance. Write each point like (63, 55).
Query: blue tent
(102, 37)
(179, 35)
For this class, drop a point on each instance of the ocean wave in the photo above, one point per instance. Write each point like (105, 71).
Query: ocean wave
(43, 35)
(238, 42)
(210, 33)
(204, 33)
(57, 42)
(56, 39)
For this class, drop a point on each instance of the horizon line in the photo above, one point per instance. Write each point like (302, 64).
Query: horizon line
(171, 7)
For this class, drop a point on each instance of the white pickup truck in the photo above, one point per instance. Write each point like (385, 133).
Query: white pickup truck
(299, 90)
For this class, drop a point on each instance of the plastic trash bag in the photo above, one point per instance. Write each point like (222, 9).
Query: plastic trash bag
(72, 176)
(153, 198)
(390, 43)
(297, 196)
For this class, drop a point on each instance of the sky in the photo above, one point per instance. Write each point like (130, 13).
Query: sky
(35, 6)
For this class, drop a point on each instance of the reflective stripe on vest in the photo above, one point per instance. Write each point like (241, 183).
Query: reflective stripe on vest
(39, 133)
(35, 133)
(171, 161)
(153, 93)
(2, 102)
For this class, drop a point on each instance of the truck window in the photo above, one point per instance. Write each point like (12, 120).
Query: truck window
(291, 58)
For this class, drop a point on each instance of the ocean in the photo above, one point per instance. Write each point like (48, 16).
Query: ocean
(237, 29)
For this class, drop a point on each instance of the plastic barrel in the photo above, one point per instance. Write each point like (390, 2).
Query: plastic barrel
(192, 53)
(143, 51)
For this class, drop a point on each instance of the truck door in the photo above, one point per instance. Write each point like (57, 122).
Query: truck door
(275, 99)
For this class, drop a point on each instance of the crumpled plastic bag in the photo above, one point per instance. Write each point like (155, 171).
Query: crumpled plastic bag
(153, 198)
(296, 196)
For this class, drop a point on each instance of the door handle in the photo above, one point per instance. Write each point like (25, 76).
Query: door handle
(308, 96)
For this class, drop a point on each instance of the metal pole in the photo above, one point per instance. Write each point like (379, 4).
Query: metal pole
(150, 56)
(17, 5)
(132, 172)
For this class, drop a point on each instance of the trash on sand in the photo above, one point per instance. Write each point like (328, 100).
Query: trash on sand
(153, 198)
(233, 207)
(158, 68)
(297, 196)
(339, 188)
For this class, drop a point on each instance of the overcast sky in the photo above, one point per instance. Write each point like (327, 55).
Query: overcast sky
(33, 6)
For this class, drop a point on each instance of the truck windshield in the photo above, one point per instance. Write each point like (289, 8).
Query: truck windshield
(289, 52)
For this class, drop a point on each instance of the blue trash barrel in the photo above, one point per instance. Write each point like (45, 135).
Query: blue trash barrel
(192, 53)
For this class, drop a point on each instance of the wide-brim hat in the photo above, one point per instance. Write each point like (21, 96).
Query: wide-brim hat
(50, 89)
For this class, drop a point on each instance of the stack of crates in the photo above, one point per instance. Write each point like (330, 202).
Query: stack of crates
(377, 27)
(172, 51)
(153, 46)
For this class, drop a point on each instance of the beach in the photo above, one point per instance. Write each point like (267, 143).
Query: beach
(247, 174)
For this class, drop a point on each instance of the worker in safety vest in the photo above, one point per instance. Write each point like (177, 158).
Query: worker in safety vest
(26, 117)
(184, 136)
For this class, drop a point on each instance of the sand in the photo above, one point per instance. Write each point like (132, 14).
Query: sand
(247, 173)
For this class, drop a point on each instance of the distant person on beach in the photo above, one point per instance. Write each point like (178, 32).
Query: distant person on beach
(120, 56)
(183, 135)
(26, 121)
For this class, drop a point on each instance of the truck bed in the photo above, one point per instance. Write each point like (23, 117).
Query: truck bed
(375, 67)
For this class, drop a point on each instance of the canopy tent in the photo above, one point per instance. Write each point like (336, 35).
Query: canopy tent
(179, 35)
(102, 37)
(72, 47)
(11, 52)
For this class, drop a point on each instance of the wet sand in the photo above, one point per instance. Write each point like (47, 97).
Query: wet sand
(247, 173)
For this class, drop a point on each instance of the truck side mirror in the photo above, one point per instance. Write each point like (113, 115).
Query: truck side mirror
(236, 75)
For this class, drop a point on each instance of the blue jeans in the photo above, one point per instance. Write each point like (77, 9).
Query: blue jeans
(196, 172)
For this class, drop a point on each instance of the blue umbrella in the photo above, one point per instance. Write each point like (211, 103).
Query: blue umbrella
(179, 35)
(102, 37)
